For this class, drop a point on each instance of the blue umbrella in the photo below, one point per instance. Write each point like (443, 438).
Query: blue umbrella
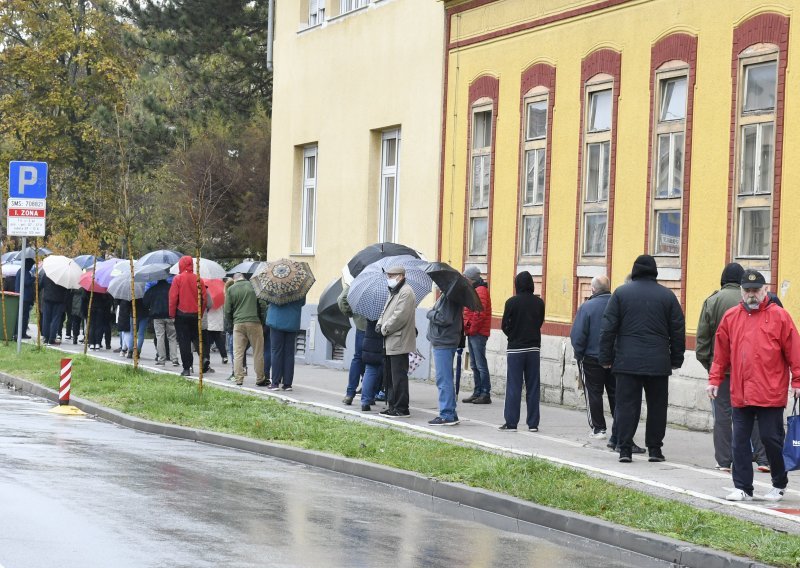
(85, 261)
(159, 257)
(368, 292)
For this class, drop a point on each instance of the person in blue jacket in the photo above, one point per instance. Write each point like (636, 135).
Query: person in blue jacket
(284, 323)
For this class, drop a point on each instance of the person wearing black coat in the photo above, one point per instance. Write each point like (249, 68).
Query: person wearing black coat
(28, 299)
(523, 317)
(53, 297)
(99, 321)
(642, 339)
(372, 357)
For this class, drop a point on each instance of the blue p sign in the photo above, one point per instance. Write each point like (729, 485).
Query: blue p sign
(27, 180)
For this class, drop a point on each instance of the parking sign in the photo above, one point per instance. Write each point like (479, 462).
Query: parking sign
(27, 180)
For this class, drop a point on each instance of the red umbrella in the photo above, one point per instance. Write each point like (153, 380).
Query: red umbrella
(216, 287)
(86, 283)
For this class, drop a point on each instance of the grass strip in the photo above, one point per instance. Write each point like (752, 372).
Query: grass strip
(171, 399)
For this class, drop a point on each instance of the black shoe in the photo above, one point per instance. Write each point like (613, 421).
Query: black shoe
(656, 455)
(348, 400)
(25, 336)
(185, 373)
(224, 360)
(483, 399)
(625, 457)
(612, 445)
(365, 408)
(286, 388)
(507, 428)
(637, 450)
(470, 398)
(264, 383)
(387, 412)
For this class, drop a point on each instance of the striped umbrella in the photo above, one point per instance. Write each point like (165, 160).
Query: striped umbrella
(368, 292)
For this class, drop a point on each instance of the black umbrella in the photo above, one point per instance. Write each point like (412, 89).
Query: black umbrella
(454, 285)
(246, 268)
(373, 253)
(333, 323)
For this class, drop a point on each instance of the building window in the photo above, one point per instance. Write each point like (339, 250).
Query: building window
(668, 163)
(309, 204)
(534, 175)
(350, 5)
(480, 186)
(597, 171)
(390, 167)
(316, 12)
(756, 115)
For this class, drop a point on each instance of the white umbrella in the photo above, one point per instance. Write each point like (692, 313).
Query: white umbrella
(62, 271)
(208, 268)
(11, 268)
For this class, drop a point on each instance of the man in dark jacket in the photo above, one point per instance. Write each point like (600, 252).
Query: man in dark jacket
(156, 300)
(585, 338)
(477, 327)
(444, 333)
(53, 297)
(523, 317)
(28, 296)
(642, 339)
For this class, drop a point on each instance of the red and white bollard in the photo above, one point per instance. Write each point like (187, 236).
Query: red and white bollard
(66, 379)
(64, 407)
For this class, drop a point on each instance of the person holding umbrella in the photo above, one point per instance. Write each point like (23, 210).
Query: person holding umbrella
(444, 332)
(184, 310)
(53, 297)
(477, 327)
(357, 367)
(396, 325)
(156, 300)
(284, 323)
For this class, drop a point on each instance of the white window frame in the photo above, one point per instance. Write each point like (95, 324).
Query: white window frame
(346, 6)
(758, 198)
(674, 129)
(533, 147)
(482, 152)
(387, 172)
(599, 205)
(316, 12)
(308, 210)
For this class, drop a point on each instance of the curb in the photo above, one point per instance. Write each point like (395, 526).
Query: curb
(480, 505)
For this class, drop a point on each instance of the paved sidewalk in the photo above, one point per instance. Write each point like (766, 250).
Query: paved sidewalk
(687, 475)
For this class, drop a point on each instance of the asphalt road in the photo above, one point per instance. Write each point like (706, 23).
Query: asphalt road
(80, 492)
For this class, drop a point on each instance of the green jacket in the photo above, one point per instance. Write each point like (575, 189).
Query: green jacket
(344, 307)
(714, 308)
(241, 304)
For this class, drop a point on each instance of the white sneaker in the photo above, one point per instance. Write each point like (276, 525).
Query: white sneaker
(738, 495)
(775, 494)
(601, 435)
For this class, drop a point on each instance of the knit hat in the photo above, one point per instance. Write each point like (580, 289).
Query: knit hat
(731, 274)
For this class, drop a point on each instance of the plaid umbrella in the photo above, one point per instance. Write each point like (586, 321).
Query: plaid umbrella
(333, 323)
(282, 281)
(369, 292)
(374, 253)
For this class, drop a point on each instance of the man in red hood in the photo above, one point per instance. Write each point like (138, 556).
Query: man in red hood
(758, 341)
(183, 308)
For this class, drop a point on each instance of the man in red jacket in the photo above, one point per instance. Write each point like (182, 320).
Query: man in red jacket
(758, 341)
(183, 308)
(477, 327)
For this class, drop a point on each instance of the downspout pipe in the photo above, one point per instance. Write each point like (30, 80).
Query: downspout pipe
(270, 32)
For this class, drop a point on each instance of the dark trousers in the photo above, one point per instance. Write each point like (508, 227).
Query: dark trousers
(395, 377)
(595, 380)
(26, 316)
(97, 328)
(53, 316)
(770, 424)
(357, 366)
(267, 353)
(74, 329)
(629, 406)
(723, 429)
(186, 332)
(282, 344)
(522, 368)
(218, 339)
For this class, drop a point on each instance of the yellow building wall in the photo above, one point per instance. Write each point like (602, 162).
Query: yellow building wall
(338, 85)
(631, 29)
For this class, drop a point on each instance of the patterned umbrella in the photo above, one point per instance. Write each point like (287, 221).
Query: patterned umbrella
(283, 281)
(369, 292)
(62, 271)
(120, 288)
(247, 268)
(85, 261)
(373, 253)
(208, 268)
(159, 257)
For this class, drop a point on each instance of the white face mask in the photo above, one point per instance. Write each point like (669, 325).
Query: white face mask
(392, 282)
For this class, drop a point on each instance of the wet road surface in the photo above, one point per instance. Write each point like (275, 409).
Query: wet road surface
(80, 492)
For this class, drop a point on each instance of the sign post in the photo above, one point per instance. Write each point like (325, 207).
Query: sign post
(27, 207)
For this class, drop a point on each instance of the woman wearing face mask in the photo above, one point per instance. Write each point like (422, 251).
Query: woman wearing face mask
(396, 325)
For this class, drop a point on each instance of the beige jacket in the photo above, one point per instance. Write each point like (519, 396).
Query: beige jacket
(396, 323)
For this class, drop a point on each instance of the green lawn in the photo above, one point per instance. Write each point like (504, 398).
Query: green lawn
(170, 399)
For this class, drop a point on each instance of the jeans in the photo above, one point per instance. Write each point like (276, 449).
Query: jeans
(356, 365)
(443, 360)
(480, 367)
(373, 376)
(141, 328)
(770, 422)
(629, 404)
(283, 346)
(595, 380)
(522, 367)
(125, 339)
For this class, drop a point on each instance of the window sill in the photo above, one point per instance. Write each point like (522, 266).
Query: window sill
(302, 254)
(308, 28)
(339, 17)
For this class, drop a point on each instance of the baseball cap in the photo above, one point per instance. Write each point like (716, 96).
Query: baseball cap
(752, 279)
